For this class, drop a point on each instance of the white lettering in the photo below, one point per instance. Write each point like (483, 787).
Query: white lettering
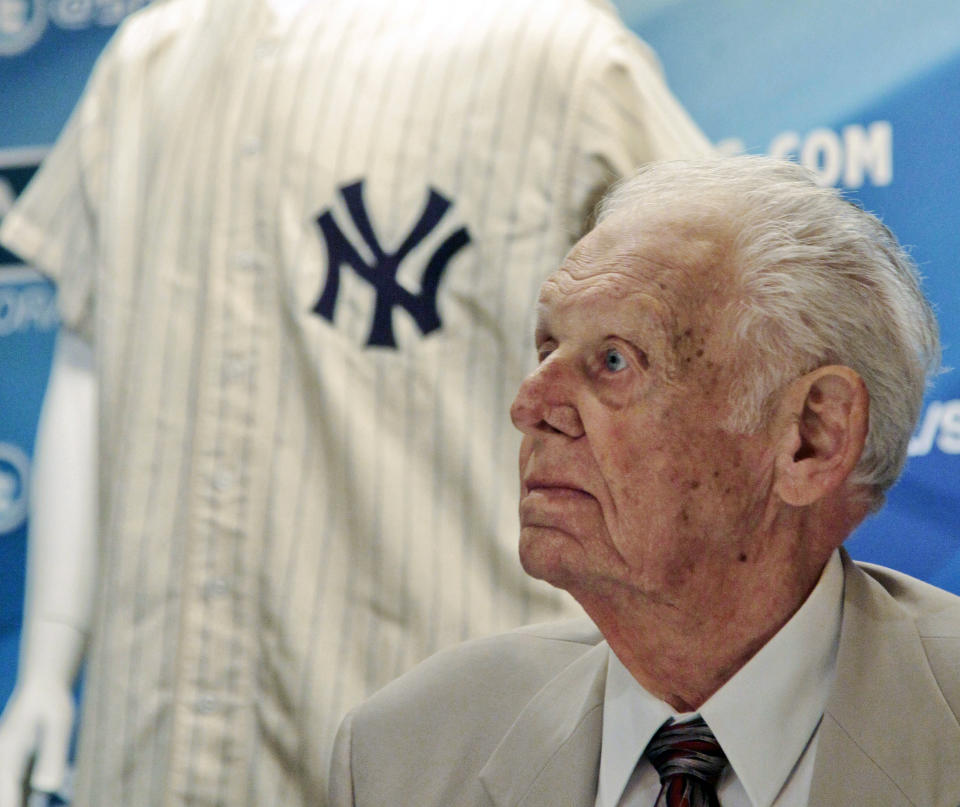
(822, 153)
(24, 308)
(22, 23)
(14, 473)
(949, 440)
(13, 16)
(8, 490)
(71, 13)
(784, 146)
(853, 155)
(870, 151)
(76, 14)
(940, 427)
(921, 443)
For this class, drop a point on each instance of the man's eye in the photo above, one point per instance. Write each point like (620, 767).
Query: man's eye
(614, 361)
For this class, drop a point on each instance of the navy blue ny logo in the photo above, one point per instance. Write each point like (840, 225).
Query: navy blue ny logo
(382, 274)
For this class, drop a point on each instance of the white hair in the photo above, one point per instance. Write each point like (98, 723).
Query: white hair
(817, 281)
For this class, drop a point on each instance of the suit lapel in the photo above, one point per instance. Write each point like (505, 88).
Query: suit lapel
(888, 736)
(551, 755)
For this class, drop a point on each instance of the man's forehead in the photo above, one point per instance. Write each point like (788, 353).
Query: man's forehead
(611, 243)
(608, 296)
(667, 257)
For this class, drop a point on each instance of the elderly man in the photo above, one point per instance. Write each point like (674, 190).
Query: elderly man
(731, 364)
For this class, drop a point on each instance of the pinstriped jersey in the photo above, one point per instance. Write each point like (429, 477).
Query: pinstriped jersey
(306, 248)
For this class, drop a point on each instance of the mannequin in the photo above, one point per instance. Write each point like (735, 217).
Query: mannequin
(61, 572)
(37, 721)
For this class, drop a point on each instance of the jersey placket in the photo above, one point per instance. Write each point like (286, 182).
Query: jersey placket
(213, 731)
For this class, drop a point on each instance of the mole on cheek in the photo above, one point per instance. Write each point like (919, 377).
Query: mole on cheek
(680, 338)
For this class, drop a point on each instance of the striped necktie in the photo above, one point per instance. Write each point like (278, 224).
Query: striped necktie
(689, 760)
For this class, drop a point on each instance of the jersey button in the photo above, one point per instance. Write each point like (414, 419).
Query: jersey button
(235, 367)
(265, 49)
(247, 261)
(223, 480)
(216, 588)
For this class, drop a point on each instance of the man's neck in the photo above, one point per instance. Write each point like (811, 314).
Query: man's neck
(684, 649)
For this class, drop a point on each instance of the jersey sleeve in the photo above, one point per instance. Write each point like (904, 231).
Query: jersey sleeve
(54, 224)
(627, 116)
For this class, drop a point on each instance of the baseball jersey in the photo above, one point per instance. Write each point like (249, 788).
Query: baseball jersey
(306, 249)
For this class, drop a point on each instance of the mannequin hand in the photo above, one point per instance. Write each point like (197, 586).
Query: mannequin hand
(35, 726)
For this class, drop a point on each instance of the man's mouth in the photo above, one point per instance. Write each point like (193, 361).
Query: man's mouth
(553, 488)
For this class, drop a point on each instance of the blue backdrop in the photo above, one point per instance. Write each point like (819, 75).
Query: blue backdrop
(869, 98)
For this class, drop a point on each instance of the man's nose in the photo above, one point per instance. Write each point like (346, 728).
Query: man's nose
(545, 403)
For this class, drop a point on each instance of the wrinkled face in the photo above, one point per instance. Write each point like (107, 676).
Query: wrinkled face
(627, 478)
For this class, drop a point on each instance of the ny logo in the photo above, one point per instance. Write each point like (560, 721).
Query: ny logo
(382, 273)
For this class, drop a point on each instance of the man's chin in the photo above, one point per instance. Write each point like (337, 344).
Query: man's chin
(545, 554)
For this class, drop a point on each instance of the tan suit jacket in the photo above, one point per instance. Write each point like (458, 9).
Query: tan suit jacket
(516, 719)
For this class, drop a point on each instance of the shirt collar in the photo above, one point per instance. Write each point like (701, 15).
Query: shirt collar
(631, 716)
(763, 717)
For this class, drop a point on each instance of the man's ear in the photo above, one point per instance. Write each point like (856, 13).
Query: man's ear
(824, 416)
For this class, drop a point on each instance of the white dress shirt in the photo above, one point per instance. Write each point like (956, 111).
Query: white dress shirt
(766, 717)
